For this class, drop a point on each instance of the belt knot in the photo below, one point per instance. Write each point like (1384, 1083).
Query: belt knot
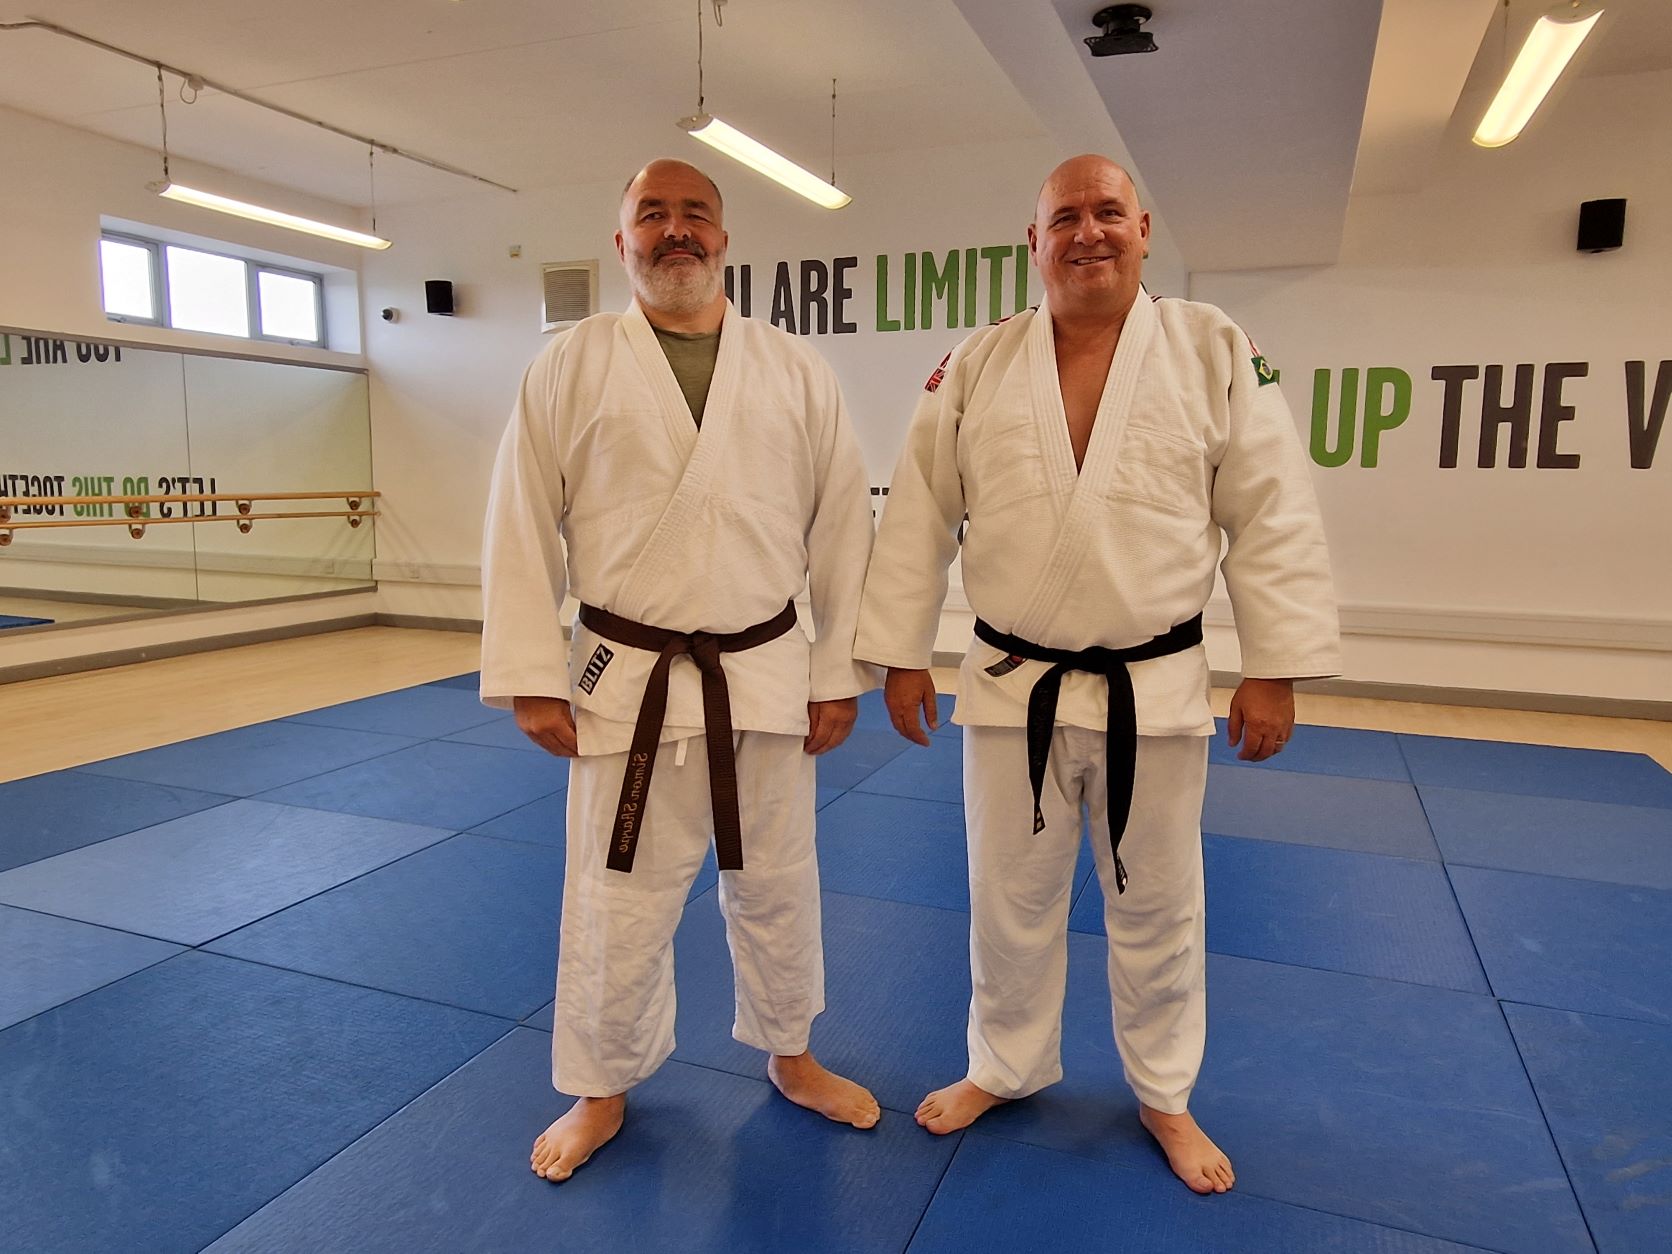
(704, 649)
(1120, 724)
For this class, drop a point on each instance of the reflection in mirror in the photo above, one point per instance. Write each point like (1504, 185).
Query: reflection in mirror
(85, 419)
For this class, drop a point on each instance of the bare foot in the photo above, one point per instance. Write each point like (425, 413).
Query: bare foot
(576, 1135)
(806, 1082)
(1196, 1160)
(956, 1106)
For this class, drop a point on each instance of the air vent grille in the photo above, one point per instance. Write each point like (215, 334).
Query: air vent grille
(570, 292)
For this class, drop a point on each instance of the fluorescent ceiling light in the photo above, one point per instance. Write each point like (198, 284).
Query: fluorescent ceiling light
(757, 156)
(1550, 45)
(260, 213)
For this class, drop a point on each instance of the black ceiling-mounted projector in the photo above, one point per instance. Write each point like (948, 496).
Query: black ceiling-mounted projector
(1120, 23)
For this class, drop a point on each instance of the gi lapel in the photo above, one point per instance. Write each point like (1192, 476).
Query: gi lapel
(1080, 491)
(670, 401)
(1049, 415)
(703, 451)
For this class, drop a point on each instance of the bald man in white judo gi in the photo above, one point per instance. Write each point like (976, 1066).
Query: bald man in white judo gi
(1100, 445)
(701, 473)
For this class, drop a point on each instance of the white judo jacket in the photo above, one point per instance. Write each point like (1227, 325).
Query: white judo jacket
(1192, 441)
(711, 530)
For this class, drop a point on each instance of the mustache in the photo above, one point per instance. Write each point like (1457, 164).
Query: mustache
(685, 245)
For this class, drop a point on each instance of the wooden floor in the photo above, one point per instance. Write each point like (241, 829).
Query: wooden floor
(70, 720)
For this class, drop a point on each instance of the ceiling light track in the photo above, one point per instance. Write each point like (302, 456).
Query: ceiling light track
(199, 82)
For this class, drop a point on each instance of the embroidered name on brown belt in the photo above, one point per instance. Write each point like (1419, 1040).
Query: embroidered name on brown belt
(1120, 735)
(704, 648)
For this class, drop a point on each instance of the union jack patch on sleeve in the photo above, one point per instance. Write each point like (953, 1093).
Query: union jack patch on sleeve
(939, 374)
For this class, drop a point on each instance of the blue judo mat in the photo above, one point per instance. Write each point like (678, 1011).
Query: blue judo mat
(289, 987)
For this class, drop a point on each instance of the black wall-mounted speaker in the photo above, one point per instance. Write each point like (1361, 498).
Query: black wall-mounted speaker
(438, 295)
(1602, 225)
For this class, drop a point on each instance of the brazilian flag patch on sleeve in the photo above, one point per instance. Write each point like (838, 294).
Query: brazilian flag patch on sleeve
(1265, 371)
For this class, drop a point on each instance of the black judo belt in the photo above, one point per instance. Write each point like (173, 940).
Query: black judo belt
(1120, 728)
(704, 648)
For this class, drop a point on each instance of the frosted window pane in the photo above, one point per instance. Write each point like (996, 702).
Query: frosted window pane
(288, 307)
(126, 270)
(207, 293)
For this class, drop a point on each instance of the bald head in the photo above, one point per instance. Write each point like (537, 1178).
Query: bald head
(1075, 174)
(658, 171)
(1089, 237)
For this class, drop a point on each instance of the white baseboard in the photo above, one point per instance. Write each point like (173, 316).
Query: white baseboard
(398, 570)
(1412, 622)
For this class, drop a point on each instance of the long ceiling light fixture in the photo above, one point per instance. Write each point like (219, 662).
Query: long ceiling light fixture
(168, 189)
(261, 213)
(757, 156)
(1550, 45)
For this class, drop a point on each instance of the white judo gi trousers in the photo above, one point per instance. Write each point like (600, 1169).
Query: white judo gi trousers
(1021, 884)
(614, 1017)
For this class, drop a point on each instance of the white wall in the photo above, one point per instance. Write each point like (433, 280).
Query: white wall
(442, 387)
(59, 181)
(1560, 580)
(1534, 580)
(1464, 578)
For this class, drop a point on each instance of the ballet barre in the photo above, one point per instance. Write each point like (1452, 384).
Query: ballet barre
(136, 515)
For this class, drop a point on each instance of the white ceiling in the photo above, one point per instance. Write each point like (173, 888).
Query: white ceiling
(1439, 62)
(1249, 111)
(1254, 123)
(1248, 129)
(1429, 42)
(530, 93)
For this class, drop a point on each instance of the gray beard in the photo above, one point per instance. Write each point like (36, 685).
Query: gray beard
(677, 290)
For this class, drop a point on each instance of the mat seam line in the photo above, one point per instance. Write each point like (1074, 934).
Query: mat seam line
(935, 1192)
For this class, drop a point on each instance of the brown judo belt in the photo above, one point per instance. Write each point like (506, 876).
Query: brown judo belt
(1120, 736)
(704, 648)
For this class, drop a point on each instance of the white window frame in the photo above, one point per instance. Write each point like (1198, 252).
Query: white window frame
(252, 292)
(159, 288)
(255, 269)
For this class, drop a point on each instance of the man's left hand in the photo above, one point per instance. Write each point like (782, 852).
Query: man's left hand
(829, 722)
(1262, 717)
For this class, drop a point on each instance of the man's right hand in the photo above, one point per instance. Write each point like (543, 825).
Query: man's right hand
(549, 723)
(906, 693)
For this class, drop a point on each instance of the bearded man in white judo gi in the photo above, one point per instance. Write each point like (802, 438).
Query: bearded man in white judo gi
(1099, 445)
(702, 472)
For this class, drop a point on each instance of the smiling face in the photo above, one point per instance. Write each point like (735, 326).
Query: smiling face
(1088, 238)
(670, 238)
